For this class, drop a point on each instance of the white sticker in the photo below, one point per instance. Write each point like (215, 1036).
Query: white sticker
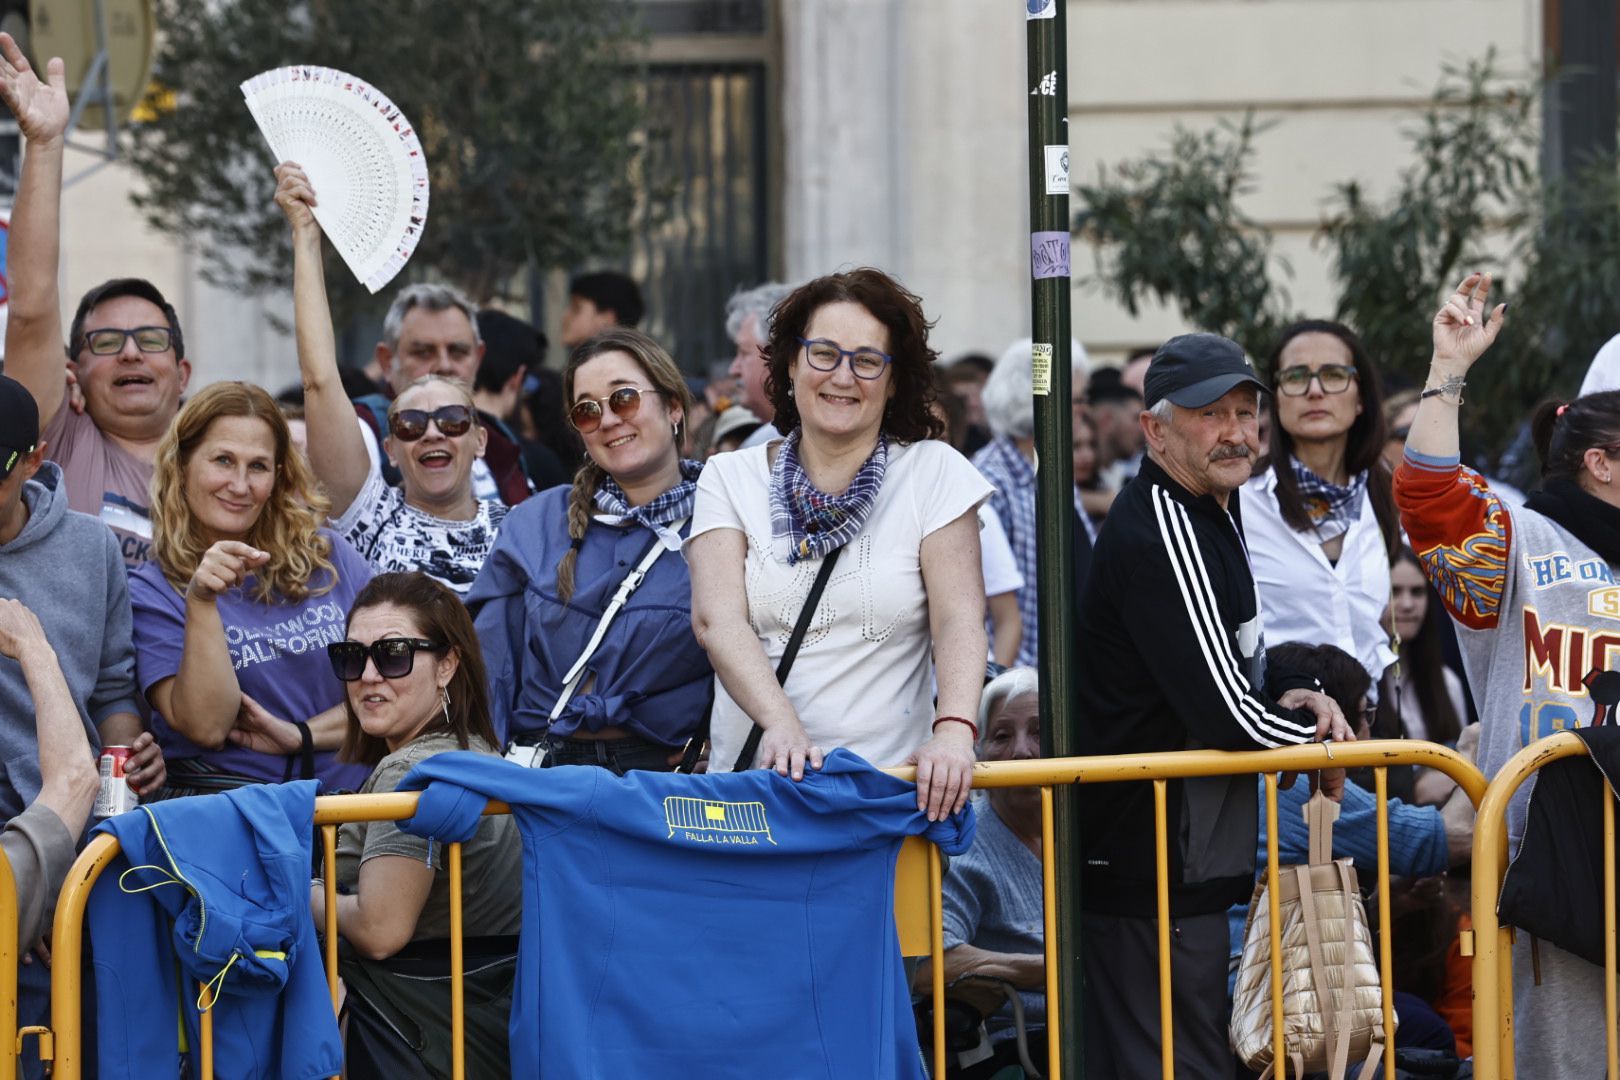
(1047, 87)
(1040, 9)
(1041, 368)
(1057, 170)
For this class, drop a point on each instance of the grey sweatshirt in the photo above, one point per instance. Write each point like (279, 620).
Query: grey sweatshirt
(66, 567)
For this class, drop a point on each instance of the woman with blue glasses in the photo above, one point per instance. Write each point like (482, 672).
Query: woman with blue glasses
(862, 482)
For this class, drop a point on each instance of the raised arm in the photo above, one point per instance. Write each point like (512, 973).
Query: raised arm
(337, 450)
(34, 353)
(1462, 333)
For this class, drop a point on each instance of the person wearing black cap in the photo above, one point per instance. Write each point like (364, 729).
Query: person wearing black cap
(125, 346)
(1171, 658)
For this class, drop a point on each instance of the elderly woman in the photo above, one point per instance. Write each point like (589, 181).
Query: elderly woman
(993, 906)
(415, 688)
(578, 672)
(861, 474)
(1519, 583)
(432, 522)
(1320, 520)
(243, 592)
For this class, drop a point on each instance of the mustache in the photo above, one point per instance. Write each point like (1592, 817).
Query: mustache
(1226, 452)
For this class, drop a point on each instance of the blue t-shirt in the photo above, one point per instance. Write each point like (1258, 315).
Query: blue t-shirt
(735, 925)
(278, 650)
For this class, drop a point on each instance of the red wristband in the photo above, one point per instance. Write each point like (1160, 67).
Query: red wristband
(971, 726)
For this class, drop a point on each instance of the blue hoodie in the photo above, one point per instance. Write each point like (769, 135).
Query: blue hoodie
(738, 925)
(213, 889)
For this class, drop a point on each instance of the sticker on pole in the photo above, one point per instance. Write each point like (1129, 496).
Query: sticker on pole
(1049, 255)
(1040, 368)
(1040, 9)
(1057, 170)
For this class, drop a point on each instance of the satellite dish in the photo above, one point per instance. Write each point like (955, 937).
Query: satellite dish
(67, 28)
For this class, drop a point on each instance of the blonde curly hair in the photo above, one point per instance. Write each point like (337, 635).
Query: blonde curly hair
(287, 526)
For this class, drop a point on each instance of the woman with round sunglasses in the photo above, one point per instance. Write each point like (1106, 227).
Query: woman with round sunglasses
(415, 687)
(584, 607)
(432, 522)
(243, 592)
(1320, 519)
(861, 474)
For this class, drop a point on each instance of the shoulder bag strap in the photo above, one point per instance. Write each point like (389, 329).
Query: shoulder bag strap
(745, 760)
(630, 584)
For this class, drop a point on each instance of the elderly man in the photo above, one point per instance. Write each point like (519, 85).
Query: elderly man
(1008, 462)
(748, 323)
(125, 346)
(1171, 658)
(433, 330)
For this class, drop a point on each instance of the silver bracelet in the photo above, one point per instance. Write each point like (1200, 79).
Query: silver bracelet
(1451, 387)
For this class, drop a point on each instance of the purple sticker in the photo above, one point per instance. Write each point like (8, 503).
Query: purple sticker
(1049, 254)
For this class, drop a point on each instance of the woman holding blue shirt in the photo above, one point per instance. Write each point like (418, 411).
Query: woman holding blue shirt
(575, 675)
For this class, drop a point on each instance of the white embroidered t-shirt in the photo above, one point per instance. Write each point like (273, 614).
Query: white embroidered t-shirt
(863, 679)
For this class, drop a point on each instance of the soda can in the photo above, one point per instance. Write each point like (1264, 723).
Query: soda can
(115, 796)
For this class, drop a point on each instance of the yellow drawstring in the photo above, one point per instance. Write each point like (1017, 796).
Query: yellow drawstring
(155, 885)
(212, 986)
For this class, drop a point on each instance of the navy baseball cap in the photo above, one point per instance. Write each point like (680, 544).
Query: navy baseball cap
(1195, 369)
(19, 424)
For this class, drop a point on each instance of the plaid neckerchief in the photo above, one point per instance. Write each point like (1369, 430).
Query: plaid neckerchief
(673, 505)
(1333, 507)
(809, 524)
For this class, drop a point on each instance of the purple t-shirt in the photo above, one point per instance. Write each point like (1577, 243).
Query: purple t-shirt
(277, 649)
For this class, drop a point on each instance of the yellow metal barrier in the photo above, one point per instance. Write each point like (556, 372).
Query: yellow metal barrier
(1493, 956)
(330, 811)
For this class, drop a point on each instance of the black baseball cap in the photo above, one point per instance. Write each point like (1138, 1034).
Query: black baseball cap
(19, 424)
(1195, 369)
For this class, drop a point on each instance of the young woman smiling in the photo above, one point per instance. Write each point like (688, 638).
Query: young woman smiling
(861, 468)
(415, 688)
(243, 591)
(575, 673)
(432, 522)
(1320, 520)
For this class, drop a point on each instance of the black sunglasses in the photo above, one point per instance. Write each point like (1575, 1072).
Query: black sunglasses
(408, 425)
(394, 656)
(625, 403)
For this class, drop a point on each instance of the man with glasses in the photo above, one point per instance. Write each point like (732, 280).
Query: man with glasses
(124, 349)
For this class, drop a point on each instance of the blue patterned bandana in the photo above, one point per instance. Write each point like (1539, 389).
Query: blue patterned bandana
(673, 505)
(809, 524)
(1333, 507)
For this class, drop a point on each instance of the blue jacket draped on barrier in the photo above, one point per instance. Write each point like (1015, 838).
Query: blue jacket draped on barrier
(213, 889)
(735, 925)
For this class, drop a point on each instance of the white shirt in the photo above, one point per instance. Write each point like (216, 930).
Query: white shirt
(996, 555)
(864, 675)
(1307, 598)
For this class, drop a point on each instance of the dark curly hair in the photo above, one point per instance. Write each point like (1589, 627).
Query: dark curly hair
(908, 417)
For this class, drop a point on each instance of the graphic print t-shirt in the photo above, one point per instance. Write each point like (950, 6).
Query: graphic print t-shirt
(103, 480)
(278, 651)
(394, 536)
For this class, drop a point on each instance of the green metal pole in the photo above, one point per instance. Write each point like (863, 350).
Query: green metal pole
(1046, 27)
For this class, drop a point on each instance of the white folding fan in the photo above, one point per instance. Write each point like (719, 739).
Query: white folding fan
(362, 156)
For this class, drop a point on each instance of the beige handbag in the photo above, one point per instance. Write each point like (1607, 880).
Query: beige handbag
(1332, 1004)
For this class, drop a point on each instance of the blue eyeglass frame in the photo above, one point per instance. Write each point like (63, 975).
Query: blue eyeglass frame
(844, 354)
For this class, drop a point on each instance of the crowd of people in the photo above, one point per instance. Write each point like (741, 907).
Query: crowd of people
(829, 543)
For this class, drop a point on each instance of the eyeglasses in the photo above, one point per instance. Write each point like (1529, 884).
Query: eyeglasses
(110, 341)
(408, 425)
(1335, 379)
(825, 355)
(394, 656)
(586, 416)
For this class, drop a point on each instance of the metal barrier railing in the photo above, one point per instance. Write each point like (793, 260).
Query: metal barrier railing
(1493, 956)
(1158, 769)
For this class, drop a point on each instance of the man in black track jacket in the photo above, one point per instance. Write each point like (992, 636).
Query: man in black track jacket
(1171, 658)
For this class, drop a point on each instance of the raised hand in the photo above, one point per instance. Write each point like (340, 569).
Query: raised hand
(1462, 331)
(295, 196)
(19, 629)
(41, 108)
(224, 566)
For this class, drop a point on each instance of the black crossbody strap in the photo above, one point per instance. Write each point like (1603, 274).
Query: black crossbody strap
(745, 760)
